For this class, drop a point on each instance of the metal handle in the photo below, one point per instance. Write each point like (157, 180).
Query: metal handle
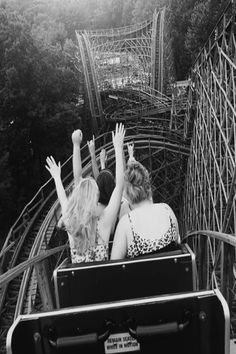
(76, 341)
(166, 328)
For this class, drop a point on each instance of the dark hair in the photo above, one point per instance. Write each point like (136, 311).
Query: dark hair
(106, 185)
(137, 183)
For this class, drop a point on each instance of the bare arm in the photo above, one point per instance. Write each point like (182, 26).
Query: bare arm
(55, 171)
(130, 147)
(119, 247)
(77, 137)
(91, 147)
(112, 209)
(103, 159)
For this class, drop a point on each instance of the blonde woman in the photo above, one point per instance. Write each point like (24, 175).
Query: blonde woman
(149, 226)
(88, 226)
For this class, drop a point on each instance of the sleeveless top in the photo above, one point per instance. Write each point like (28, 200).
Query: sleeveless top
(97, 252)
(141, 246)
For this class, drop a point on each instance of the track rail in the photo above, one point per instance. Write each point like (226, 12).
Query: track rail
(216, 267)
(19, 295)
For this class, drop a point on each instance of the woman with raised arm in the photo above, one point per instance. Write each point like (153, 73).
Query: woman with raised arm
(125, 206)
(88, 226)
(104, 178)
(150, 226)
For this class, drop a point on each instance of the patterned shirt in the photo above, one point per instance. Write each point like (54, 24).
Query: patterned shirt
(141, 246)
(98, 252)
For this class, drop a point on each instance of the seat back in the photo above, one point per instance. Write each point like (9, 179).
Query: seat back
(96, 282)
(196, 323)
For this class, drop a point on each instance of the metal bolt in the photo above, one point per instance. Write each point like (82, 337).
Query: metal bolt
(37, 337)
(202, 316)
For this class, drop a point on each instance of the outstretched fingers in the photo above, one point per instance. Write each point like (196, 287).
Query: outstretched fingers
(52, 166)
(50, 161)
(121, 130)
(118, 136)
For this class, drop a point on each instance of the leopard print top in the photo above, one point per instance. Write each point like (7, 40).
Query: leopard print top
(98, 252)
(141, 246)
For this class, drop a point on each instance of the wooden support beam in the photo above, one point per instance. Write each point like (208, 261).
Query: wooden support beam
(44, 284)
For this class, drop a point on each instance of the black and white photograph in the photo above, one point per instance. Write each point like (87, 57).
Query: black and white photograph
(118, 176)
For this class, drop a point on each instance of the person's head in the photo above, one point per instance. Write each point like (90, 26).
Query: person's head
(106, 185)
(137, 183)
(80, 216)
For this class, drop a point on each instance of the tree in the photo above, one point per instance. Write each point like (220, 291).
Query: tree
(38, 97)
(198, 28)
(143, 10)
(180, 20)
(203, 19)
(127, 15)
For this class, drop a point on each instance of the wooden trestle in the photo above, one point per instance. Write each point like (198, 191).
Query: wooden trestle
(129, 56)
(209, 210)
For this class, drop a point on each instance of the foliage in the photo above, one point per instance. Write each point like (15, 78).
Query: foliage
(202, 21)
(143, 10)
(39, 87)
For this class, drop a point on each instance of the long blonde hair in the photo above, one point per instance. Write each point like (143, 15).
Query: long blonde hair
(80, 217)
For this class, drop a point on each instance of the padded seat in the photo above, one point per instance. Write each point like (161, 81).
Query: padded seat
(97, 282)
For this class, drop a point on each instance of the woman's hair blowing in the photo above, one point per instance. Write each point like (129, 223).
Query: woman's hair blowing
(79, 219)
(137, 183)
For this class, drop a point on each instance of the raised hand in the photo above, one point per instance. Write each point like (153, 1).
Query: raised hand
(77, 137)
(118, 136)
(52, 167)
(91, 146)
(103, 158)
(130, 147)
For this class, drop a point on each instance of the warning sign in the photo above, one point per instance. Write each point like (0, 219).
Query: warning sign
(121, 343)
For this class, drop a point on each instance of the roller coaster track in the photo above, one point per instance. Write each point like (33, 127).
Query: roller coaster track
(24, 242)
(130, 57)
(187, 141)
(91, 82)
(145, 103)
(28, 239)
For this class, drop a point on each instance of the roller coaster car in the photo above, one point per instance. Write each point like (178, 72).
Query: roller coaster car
(195, 322)
(97, 282)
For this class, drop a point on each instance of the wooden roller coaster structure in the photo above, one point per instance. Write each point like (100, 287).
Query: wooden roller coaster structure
(184, 133)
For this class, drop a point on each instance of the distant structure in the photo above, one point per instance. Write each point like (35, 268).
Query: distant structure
(136, 56)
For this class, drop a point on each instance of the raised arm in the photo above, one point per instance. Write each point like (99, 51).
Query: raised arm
(55, 171)
(91, 147)
(130, 147)
(119, 247)
(103, 159)
(111, 211)
(77, 137)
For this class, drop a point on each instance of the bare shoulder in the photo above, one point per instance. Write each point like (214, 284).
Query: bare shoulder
(164, 206)
(124, 221)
